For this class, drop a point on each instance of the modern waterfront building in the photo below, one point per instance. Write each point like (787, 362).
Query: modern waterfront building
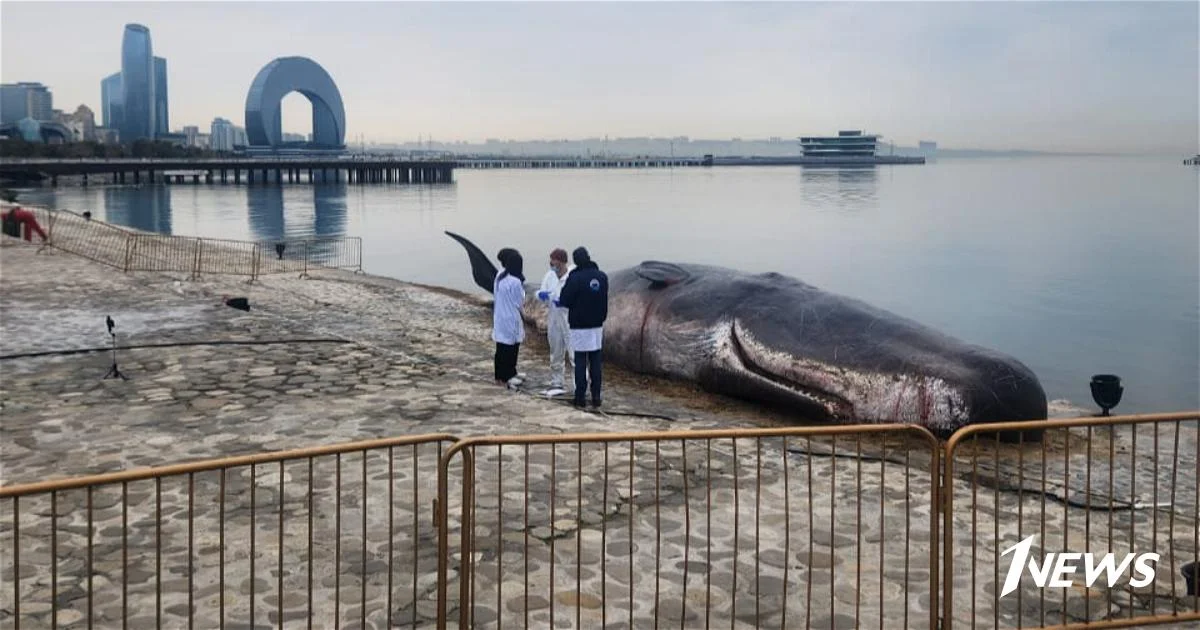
(161, 111)
(22, 100)
(110, 101)
(137, 84)
(280, 77)
(845, 144)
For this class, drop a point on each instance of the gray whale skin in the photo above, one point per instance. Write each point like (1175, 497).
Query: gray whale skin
(773, 339)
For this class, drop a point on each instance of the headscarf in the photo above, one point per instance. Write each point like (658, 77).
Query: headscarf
(512, 262)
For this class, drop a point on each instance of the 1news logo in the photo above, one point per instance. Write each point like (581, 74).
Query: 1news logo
(1057, 568)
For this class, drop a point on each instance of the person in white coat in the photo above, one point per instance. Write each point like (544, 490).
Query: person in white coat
(508, 331)
(558, 331)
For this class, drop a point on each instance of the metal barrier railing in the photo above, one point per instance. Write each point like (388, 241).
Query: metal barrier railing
(255, 539)
(774, 527)
(1125, 485)
(867, 526)
(138, 251)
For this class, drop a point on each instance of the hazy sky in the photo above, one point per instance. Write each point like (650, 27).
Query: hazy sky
(1038, 75)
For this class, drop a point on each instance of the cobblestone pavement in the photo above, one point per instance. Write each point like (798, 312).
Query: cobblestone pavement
(738, 533)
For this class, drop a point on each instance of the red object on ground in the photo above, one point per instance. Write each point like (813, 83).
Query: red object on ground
(26, 219)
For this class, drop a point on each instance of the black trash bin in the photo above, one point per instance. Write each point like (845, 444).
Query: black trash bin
(11, 227)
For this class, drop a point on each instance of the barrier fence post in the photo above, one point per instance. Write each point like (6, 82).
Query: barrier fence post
(254, 254)
(196, 258)
(128, 251)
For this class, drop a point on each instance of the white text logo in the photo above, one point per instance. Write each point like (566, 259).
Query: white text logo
(1056, 569)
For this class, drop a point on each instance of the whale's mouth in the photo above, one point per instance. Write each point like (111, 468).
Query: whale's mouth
(834, 405)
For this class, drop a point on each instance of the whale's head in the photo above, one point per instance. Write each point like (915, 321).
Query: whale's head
(773, 338)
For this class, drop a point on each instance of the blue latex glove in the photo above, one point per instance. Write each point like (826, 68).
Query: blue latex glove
(557, 303)
(543, 295)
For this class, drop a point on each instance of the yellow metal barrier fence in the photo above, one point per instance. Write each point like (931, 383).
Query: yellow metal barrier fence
(795, 527)
(819, 527)
(128, 250)
(1125, 485)
(328, 536)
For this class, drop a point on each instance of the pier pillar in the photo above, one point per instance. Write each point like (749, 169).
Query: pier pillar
(54, 180)
(249, 176)
(279, 175)
(208, 177)
(85, 179)
(237, 175)
(137, 177)
(195, 179)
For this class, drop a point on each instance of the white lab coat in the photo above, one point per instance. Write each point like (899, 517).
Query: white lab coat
(558, 332)
(507, 326)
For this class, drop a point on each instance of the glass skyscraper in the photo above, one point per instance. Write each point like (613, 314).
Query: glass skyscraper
(161, 114)
(137, 84)
(110, 100)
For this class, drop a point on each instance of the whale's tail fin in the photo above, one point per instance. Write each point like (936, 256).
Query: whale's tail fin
(482, 269)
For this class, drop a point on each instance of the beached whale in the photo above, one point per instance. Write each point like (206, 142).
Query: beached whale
(774, 339)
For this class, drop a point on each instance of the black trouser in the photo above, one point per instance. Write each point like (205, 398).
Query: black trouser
(587, 362)
(506, 361)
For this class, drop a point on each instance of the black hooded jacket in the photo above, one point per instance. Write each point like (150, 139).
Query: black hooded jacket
(586, 295)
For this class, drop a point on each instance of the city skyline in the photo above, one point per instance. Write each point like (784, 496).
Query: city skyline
(992, 75)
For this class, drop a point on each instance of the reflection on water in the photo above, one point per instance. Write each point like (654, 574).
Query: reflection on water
(329, 209)
(144, 207)
(296, 212)
(842, 187)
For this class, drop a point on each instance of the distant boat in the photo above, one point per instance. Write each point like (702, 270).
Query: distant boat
(1194, 161)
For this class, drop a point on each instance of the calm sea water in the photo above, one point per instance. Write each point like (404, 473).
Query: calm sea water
(1074, 266)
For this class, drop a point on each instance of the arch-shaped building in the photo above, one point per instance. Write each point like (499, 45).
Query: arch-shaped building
(264, 122)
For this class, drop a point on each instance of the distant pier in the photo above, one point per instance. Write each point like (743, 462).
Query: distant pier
(363, 170)
(229, 170)
(658, 162)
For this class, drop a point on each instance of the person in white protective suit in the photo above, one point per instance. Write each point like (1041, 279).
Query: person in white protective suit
(558, 331)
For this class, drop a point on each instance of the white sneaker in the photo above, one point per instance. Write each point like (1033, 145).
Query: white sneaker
(555, 391)
(514, 382)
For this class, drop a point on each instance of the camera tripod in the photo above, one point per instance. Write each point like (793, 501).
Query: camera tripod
(114, 371)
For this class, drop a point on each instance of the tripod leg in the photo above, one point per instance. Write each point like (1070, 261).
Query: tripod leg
(114, 371)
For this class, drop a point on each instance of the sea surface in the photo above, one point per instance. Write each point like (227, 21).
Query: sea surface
(1075, 266)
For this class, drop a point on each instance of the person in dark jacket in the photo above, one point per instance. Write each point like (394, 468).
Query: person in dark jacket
(585, 294)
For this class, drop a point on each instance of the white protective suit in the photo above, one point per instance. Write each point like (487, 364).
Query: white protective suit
(558, 331)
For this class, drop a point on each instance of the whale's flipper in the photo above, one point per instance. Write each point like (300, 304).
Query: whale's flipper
(482, 269)
(661, 274)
